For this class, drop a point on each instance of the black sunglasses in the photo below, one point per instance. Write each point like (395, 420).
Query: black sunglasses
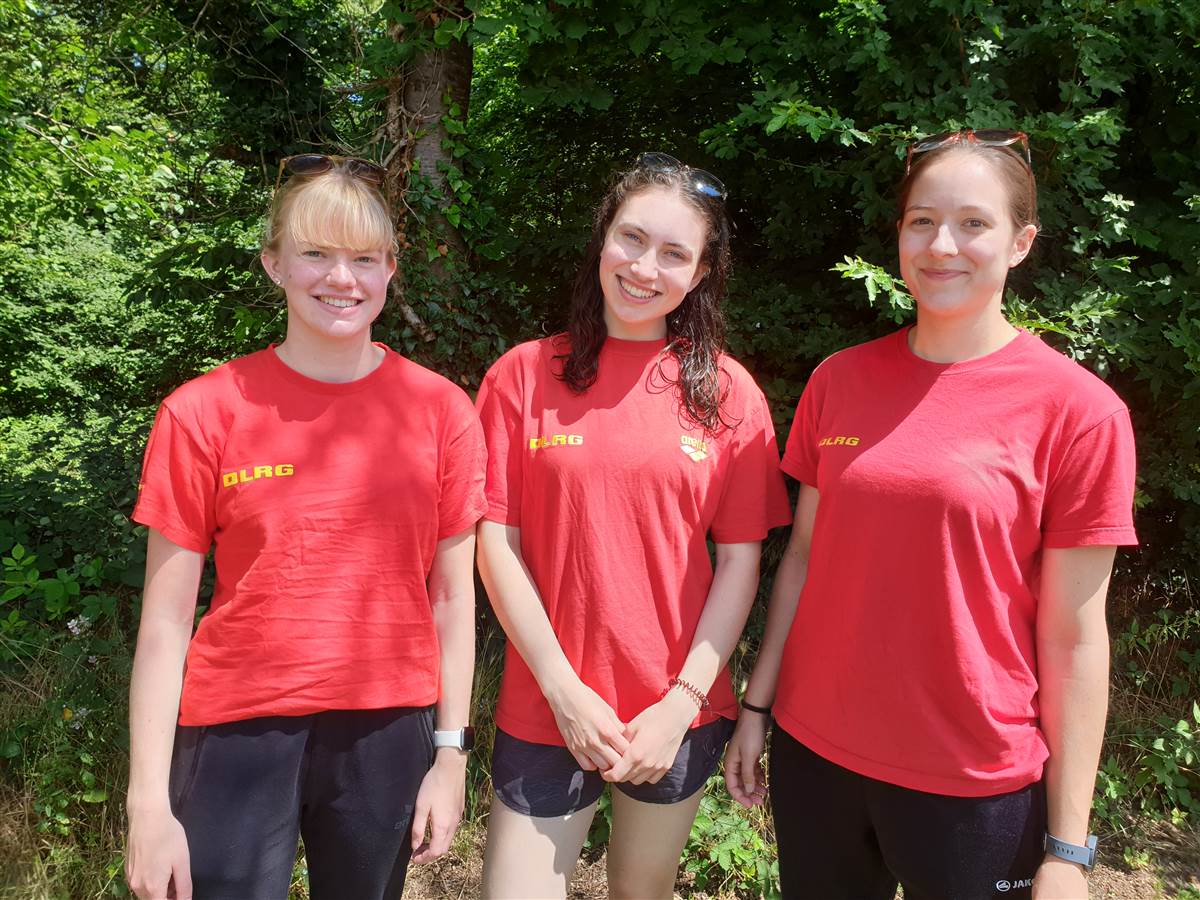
(706, 183)
(303, 164)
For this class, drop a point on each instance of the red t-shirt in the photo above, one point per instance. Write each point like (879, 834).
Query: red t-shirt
(326, 503)
(912, 655)
(615, 492)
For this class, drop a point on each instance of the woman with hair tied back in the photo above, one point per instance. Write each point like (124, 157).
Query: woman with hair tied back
(614, 451)
(326, 690)
(936, 655)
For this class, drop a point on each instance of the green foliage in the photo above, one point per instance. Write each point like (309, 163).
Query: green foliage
(139, 144)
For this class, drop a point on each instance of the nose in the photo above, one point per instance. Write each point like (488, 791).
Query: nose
(943, 242)
(646, 265)
(340, 274)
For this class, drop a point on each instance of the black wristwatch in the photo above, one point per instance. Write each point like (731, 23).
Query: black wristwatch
(1084, 856)
(460, 739)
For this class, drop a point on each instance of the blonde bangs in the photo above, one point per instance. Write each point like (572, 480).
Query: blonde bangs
(334, 210)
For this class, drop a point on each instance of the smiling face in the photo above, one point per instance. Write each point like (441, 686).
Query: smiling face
(333, 293)
(958, 239)
(652, 258)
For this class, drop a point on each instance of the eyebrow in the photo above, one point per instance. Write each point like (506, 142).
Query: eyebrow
(970, 207)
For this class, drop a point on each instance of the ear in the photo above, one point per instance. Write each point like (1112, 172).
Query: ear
(391, 265)
(1022, 244)
(701, 271)
(270, 264)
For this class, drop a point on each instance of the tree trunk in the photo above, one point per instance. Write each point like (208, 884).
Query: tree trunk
(415, 130)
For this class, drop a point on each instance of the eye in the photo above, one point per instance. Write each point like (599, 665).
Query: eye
(366, 258)
(975, 223)
(920, 221)
(632, 236)
(312, 254)
(677, 255)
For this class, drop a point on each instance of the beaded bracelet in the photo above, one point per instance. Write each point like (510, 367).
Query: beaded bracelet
(700, 698)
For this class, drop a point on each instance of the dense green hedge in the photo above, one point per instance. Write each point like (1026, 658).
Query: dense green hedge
(137, 149)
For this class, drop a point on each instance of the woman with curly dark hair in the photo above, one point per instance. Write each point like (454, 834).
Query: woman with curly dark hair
(615, 451)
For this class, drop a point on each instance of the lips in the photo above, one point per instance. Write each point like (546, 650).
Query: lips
(636, 292)
(339, 302)
(941, 274)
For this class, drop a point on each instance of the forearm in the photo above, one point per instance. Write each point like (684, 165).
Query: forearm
(452, 599)
(1072, 654)
(519, 607)
(168, 609)
(154, 692)
(1074, 701)
(785, 597)
(730, 596)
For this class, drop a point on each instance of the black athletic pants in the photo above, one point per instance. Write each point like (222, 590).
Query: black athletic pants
(843, 835)
(345, 780)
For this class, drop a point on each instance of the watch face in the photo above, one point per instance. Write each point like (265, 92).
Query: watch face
(468, 738)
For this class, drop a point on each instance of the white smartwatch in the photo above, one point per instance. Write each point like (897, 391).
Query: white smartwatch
(1084, 856)
(460, 739)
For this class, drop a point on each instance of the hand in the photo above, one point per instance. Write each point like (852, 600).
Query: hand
(594, 734)
(440, 802)
(157, 865)
(1059, 879)
(654, 738)
(744, 776)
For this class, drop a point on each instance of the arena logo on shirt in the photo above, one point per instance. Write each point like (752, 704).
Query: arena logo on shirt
(840, 440)
(242, 476)
(693, 447)
(555, 440)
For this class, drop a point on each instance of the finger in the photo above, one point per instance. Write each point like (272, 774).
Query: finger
(420, 820)
(181, 877)
(749, 767)
(440, 845)
(606, 756)
(584, 761)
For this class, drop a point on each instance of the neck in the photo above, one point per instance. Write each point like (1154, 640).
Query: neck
(337, 362)
(950, 340)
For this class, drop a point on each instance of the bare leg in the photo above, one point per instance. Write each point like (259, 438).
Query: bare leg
(645, 846)
(530, 858)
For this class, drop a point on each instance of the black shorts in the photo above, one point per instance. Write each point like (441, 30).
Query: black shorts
(345, 780)
(544, 780)
(843, 835)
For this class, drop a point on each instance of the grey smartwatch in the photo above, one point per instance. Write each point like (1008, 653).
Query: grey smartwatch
(1084, 856)
(460, 739)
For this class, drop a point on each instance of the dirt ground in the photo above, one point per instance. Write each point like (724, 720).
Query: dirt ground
(1169, 871)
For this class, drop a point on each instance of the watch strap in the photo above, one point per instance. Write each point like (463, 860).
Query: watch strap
(1084, 856)
(458, 738)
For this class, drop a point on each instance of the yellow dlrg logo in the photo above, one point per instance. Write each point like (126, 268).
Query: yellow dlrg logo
(693, 447)
(243, 476)
(556, 440)
(838, 441)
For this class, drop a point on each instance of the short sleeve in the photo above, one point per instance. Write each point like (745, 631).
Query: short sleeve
(500, 416)
(800, 456)
(461, 500)
(1089, 500)
(178, 491)
(754, 498)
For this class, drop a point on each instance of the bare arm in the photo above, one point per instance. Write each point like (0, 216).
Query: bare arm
(656, 733)
(442, 795)
(157, 852)
(1072, 652)
(592, 731)
(743, 775)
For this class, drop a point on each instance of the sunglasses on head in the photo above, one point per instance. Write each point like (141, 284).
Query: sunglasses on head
(706, 183)
(304, 164)
(987, 137)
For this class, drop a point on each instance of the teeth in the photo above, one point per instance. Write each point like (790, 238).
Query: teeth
(339, 302)
(637, 292)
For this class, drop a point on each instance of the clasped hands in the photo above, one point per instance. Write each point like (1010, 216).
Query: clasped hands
(641, 751)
